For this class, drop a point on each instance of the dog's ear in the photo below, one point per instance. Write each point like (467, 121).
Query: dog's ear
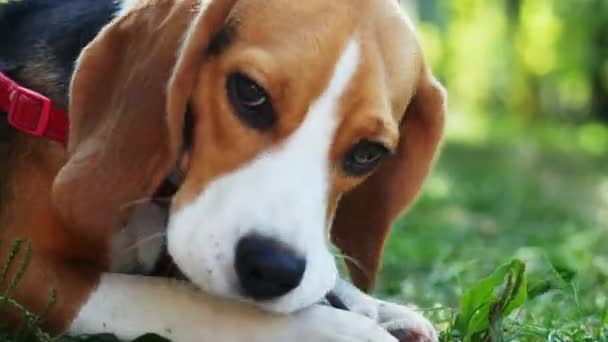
(365, 214)
(122, 142)
(209, 32)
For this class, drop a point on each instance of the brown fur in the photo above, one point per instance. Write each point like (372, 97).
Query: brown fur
(365, 214)
(58, 255)
(4, 159)
(119, 144)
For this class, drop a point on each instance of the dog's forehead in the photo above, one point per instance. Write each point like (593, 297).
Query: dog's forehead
(287, 17)
(305, 38)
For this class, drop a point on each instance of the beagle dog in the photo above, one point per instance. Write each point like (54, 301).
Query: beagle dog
(291, 125)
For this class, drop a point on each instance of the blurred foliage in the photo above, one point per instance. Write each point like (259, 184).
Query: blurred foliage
(537, 59)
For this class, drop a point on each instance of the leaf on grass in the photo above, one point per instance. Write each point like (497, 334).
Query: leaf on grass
(555, 274)
(480, 294)
(491, 299)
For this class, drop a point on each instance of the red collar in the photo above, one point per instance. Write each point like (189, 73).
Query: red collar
(31, 112)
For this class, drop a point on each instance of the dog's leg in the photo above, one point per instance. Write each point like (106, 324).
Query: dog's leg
(401, 321)
(129, 306)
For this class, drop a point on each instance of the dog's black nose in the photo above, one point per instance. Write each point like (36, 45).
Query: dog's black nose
(266, 268)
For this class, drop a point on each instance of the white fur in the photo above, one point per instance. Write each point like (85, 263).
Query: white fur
(130, 306)
(390, 316)
(282, 194)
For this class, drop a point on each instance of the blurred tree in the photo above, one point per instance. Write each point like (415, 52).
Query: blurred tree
(539, 59)
(599, 68)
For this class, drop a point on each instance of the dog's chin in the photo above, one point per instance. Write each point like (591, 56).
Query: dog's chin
(283, 305)
(300, 298)
(289, 303)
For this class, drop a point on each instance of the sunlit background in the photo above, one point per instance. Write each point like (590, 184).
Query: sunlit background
(524, 169)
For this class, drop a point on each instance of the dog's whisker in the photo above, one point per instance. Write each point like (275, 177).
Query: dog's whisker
(145, 200)
(136, 202)
(352, 260)
(143, 240)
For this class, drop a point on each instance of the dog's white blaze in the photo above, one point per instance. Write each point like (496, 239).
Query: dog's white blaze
(282, 194)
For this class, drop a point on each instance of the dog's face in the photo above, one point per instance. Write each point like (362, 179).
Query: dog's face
(308, 120)
(297, 105)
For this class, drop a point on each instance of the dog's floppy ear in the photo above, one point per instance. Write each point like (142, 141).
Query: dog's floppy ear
(121, 144)
(364, 215)
(207, 26)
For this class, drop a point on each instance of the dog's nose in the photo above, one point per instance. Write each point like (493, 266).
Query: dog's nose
(266, 268)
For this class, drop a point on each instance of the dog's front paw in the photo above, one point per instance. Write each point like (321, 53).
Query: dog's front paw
(403, 322)
(327, 324)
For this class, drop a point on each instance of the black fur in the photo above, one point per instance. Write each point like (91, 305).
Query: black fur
(41, 39)
(48, 34)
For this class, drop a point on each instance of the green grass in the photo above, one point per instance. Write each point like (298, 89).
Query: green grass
(19, 257)
(539, 194)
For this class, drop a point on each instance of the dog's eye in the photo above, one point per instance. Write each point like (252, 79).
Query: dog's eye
(363, 157)
(250, 102)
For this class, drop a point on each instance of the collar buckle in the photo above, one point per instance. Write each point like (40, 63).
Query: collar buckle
(29, 111)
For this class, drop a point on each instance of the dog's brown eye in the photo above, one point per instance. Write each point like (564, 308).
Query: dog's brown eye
(363, 157)
(250, 93)
(250, 102)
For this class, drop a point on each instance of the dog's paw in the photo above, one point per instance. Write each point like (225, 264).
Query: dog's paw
(324, 323)
(405, 323)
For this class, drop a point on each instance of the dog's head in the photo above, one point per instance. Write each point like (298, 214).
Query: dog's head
(293, 122)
